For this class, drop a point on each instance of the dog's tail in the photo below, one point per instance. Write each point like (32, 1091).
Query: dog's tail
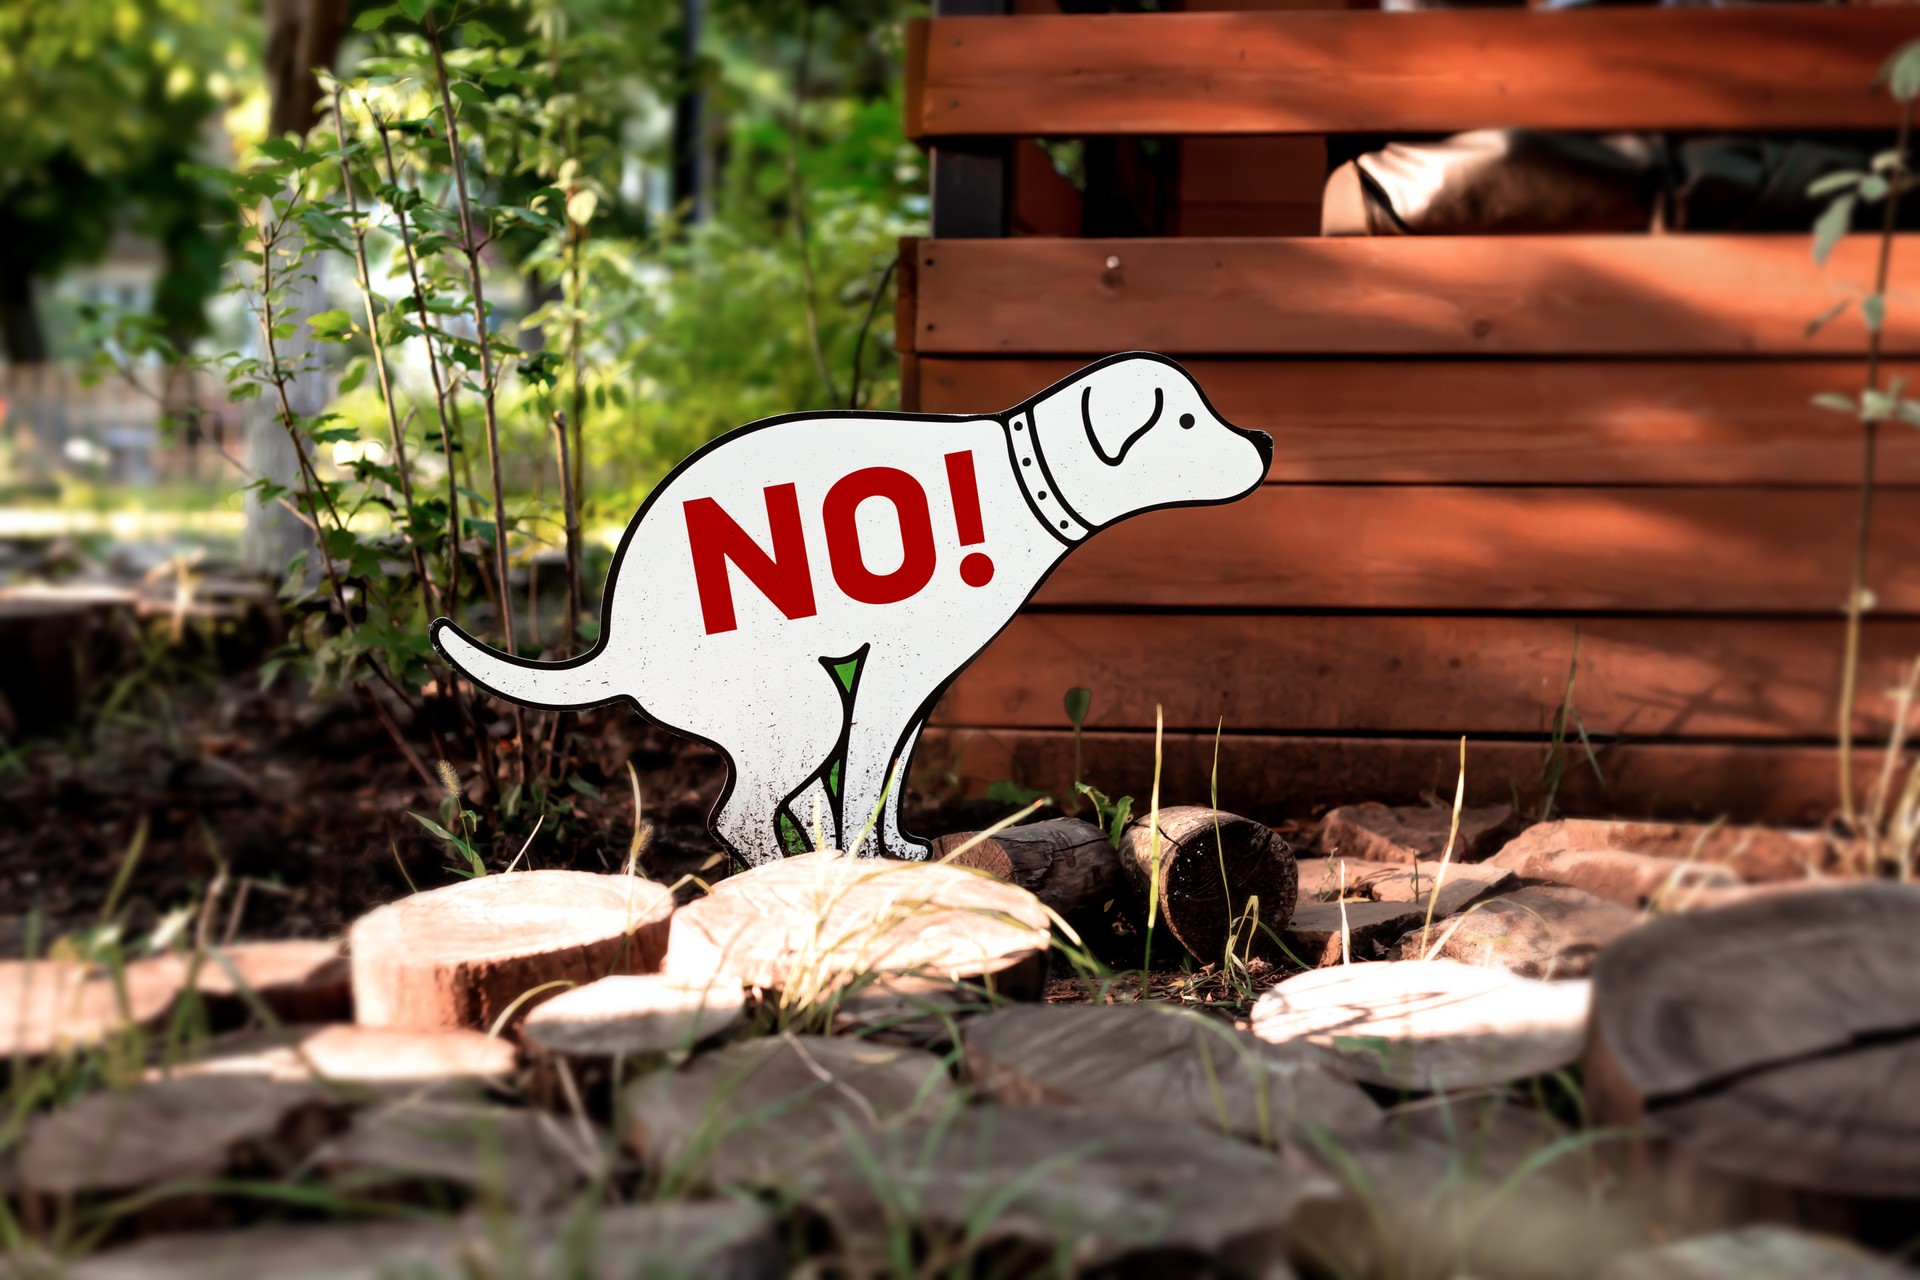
(586, 681)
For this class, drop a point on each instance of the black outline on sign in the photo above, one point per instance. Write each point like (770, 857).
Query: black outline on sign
(1086, 420)
(918, 720)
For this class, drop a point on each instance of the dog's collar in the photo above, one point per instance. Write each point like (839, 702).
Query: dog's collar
(1023, 446)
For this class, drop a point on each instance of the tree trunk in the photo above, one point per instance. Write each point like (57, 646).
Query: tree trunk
(1210, 869)
(302, 36)
(1066, 863)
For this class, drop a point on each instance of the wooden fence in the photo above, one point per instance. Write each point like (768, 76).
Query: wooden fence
(1485, 447)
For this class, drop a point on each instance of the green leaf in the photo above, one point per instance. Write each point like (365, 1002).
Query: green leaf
(354, 374)
(1873, 309)
(1909, 411)
(1901, 74)
(372, 18)
(414, 9)
(581, 205)
(1830, 183)
(1830, 226)
(1837, 402)
(1078, 702)
(467, 92)
(1006, 791)
(331, 326)
(1827, 317)
(1122, 813)
(1873, 188)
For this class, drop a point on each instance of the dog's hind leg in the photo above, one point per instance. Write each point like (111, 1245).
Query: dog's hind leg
(878, 742)
(790, 742)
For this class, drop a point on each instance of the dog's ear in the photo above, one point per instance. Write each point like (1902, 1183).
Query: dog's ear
(1118, 404)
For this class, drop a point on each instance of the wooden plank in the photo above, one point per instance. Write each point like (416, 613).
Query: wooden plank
(906, 294)
(1251, 186)
(1772, 67)
(1418, 548)
(1645, 677)
(1507, 422)
(1273, 777)
(1670, 295)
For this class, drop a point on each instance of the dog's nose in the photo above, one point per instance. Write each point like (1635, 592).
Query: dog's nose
(1264, 443)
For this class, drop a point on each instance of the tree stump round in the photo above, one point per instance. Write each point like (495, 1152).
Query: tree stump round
(1773, 1039)
(470, 953)
(812, 925)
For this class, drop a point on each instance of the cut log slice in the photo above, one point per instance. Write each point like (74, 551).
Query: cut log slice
(628, 1014)
(1630, 879)
(1212, 878)
(1066, 863)
(810, 925)
(1414, 833)
(1162, 1062)
(386, 1059)
(469, 953)
(1772, 1039)
(1068, 1191)
(48, 1006)
(1542, 931)
(712, 1240)
(912, 1012)
(523, 1159)
(295, 980)
(1754, 1253)
(1314, 934)
(763, 1112)
(1429, 1025)
(161, 1131)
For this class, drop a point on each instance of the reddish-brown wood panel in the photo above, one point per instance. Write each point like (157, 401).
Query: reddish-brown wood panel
(1576, 295)
(1647, 677)
(1270, 777)
(1416, 548)
(1770, 67)
(1506, 421)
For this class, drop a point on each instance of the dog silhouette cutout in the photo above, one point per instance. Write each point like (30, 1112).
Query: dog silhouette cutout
(799, 592)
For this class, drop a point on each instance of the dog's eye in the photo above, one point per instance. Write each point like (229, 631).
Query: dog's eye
(1186, 420)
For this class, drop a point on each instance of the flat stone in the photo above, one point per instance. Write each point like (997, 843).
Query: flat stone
(344, 1055)
(1164, 1062)
(1542, 931)
(526, 1160)
(715, 1240)
(1750, 853)
(1067, 1191)
(1428, 1025)
(764, 1112)
(185, 1128)
(1630, 879)
(628, 1014)
(1413, 833)
(1313, 935)
(1764, 1252)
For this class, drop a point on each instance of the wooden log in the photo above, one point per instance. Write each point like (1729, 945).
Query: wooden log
(1098, 1194)
(1161, 1062)
(1539, 421)
(1429, 1025)
(426, 1151)
(1674, 677)
(1543, 931)
(716, 1240)
(470, 953)
(762, 1113)
(1483, 296)
(1798, 1013)
(908, 1011)
(1067, 863)
(808, 926)
(1761, 1252)
(1324, 933)
(1212, 879)
(381, 1059)
(1331, 72)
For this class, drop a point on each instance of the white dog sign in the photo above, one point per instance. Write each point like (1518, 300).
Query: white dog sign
(799, 592)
